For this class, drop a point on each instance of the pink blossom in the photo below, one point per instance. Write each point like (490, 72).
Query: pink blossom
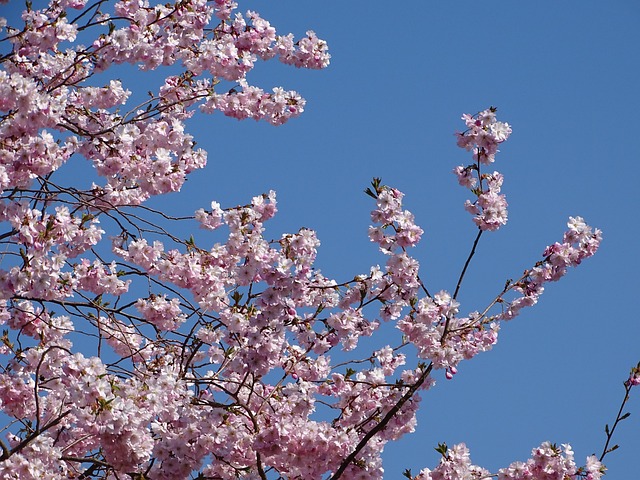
(225, 358)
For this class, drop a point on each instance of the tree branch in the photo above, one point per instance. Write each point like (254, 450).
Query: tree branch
(383, 423)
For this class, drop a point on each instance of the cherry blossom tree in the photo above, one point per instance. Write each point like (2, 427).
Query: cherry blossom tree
(129, 352)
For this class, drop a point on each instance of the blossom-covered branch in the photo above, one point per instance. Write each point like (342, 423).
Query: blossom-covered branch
(131, 351)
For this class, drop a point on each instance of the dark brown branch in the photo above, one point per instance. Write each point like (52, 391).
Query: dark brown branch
(383, 423)
(466, 264)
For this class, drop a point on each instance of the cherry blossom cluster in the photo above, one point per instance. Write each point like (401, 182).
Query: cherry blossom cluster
(166, 315)
(390, 217)
(454, 464)
(51, 110)
(252, 102)
(483, 135)
(550, 462)
(442, 337)
(580, 241)
(547, 462)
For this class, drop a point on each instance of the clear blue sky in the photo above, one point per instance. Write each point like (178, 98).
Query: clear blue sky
(565, 76)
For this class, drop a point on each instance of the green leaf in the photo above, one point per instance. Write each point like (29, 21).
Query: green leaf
(370, 193)
(442, 449)
(236, 297)
(376, 183)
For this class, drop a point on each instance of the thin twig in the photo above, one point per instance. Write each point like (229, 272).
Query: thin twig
(621, 416)
(466, 264)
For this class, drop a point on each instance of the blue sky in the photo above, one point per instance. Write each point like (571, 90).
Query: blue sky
(564, 75)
